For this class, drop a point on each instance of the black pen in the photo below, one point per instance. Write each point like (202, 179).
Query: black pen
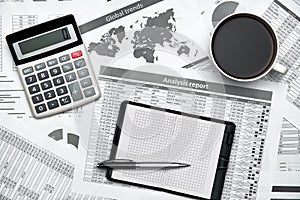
(129, 164)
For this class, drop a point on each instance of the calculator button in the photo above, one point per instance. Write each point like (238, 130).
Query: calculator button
(86, 82)
(55, 71)
(30, 79)
(49, 95)
(65, 100)
(70, 77)
(52, 62)
(40, 66)
(58, 81)
(76, 54)
(34, 89)
(67, 67)
(46, 85)
(27, 70)
(79, 63)
(62, 90)
(75, 91)
(52, 104)
(89, 92)
(83, 73)
(40, 108)
(43, 75)
(64, 58)
(37, 98)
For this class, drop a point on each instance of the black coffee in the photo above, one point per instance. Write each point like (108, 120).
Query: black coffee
(244, 46)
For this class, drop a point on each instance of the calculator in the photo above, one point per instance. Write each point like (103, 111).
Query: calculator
(53, 66)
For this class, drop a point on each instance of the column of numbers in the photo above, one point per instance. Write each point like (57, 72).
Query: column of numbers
(20, 22)
(248, 147)
(26, 170)
(251, 121)
(287, 26)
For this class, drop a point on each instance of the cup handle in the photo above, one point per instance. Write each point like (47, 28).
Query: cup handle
(280, 68)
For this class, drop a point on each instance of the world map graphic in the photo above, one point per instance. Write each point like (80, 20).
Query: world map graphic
(156, 32)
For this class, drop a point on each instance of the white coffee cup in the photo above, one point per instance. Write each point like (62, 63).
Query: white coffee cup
(244, 47)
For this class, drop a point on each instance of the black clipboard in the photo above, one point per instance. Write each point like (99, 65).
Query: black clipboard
(223, 156)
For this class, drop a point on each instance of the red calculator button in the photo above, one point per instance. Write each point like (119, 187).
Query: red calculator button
(76, 54)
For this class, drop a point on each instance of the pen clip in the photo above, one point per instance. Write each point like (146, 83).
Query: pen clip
(118, 160)
(106, 162)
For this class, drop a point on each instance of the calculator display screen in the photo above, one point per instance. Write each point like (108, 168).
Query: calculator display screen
(44, 40)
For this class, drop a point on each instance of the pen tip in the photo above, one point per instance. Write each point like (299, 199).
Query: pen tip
(99, 165)
(184, 165)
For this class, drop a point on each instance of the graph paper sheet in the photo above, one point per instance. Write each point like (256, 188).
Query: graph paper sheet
(155, 135)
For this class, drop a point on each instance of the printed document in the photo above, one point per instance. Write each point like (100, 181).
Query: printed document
(249, 106)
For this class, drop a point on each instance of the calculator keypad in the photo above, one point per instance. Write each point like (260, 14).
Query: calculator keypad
(34, 89)
(79, 63)
(55, 71)
(62, 90)
(75, 91)
(65, 100)
(89, 92)
(67, 67)
(83, 73)
(49, 95)
(64, 58)
(30, 79)
(37, 98)
(70, 77)
(86, 82)
(52, 62)
(52, 104)
(40, 108)
(58, 81)
(39, 66)
(76, 54)
(46, 85)
(43, 75)
(27, 70)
